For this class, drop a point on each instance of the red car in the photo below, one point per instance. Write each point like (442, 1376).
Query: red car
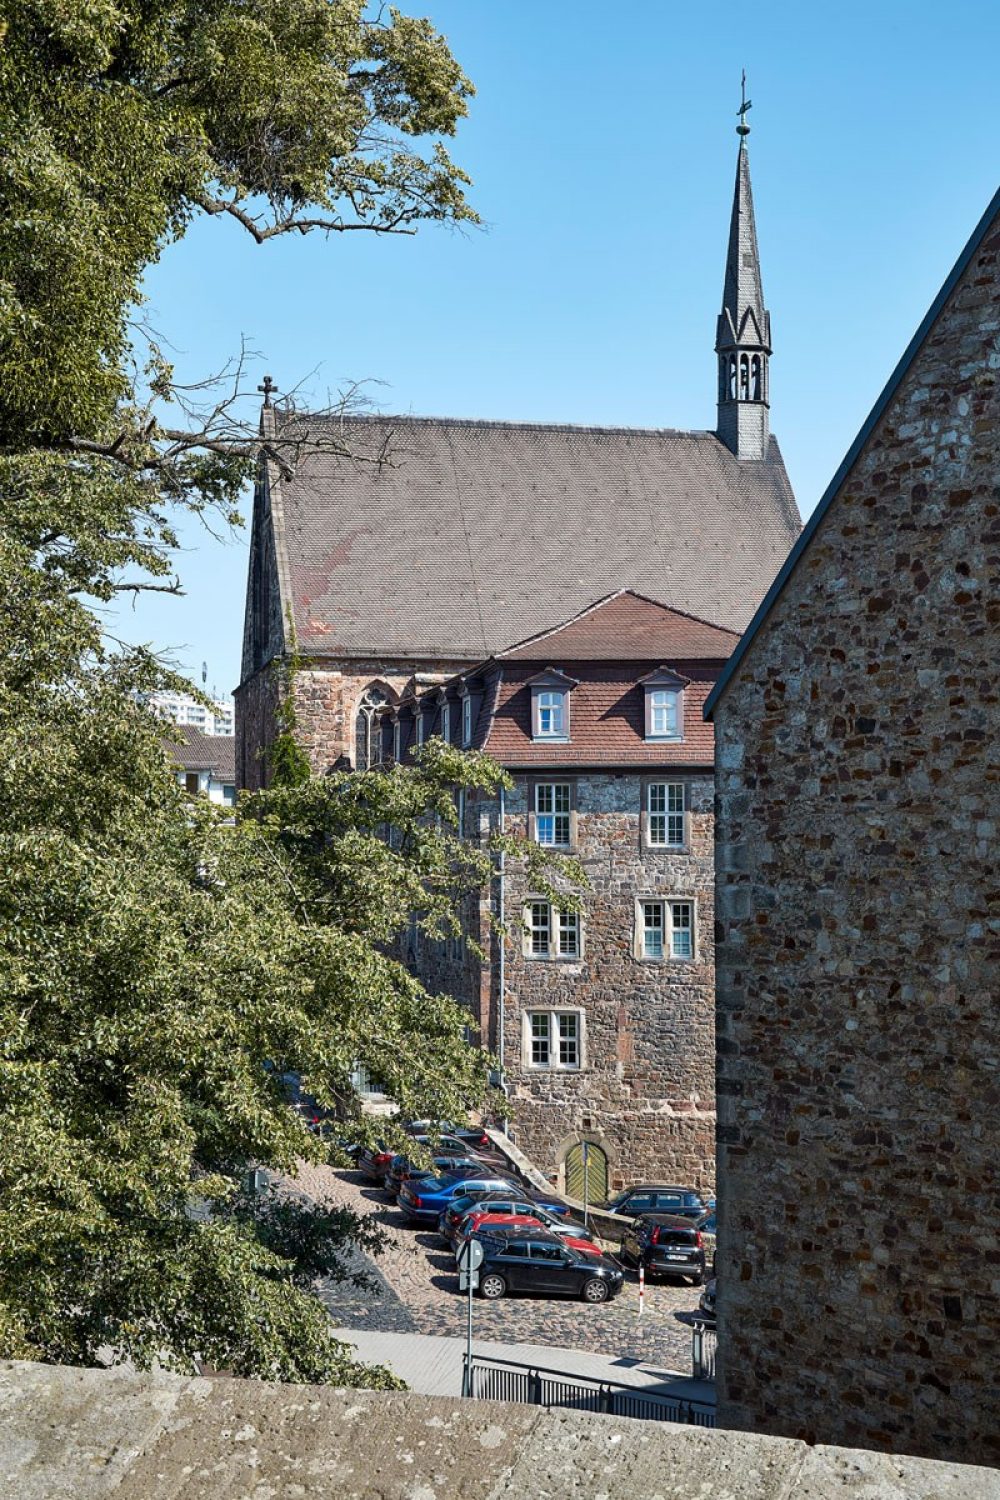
(472, 1223)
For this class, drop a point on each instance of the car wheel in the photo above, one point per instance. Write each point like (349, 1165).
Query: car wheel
(492, 1286)
(698, 1280)
(595, 1290)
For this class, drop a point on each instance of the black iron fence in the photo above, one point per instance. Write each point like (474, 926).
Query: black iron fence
(532, 1385)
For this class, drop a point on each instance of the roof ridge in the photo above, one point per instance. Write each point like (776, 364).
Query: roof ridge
(599, 604)
(373, 418)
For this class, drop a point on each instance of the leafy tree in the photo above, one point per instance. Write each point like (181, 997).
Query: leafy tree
(160, 971)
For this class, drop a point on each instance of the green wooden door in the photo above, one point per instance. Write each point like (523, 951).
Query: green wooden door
(587, 1173)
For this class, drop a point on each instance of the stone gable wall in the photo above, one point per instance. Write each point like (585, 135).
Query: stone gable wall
(858, 766)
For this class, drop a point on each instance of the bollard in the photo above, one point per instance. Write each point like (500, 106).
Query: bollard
(642, 1287)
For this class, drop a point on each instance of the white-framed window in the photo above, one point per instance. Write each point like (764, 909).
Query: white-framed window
(554, 1039)
(552, 933)
(665, 814)
(396, 740)
(551, 714)
(553, 808)
(467, 720)
(663, 715)
(665, 929)
(446, 723)
(664, 691)
(229, 795)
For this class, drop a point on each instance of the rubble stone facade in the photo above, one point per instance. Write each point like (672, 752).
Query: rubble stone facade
(858, 910)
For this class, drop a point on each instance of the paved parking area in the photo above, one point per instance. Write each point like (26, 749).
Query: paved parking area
(418, 1292)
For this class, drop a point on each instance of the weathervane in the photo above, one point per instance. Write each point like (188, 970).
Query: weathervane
(743, 128)
(269, 389)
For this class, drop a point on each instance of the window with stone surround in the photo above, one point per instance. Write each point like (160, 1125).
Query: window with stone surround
(665, 929)
(553, 813)
(666, 823)
(554, 1039)
(551, 933)
(368, 728)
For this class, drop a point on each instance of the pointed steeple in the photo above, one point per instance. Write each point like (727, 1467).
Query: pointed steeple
(743, 339)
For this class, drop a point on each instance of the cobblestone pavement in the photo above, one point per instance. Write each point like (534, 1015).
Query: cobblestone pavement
(418, 1293)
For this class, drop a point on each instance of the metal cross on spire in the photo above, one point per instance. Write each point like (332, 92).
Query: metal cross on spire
(268, 389)
(743, 128)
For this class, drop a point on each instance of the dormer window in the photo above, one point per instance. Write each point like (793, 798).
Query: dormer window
(446, 722)
(466, 721)
(664, 692)
(551, 715)
(550, 705)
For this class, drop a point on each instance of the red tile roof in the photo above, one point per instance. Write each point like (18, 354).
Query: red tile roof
(628, 626)
(607, 719)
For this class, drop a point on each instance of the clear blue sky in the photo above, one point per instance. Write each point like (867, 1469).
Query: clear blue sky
(602, 147)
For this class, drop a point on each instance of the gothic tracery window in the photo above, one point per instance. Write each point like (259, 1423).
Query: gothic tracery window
(756, 394)
(744, 378)
(368, 729)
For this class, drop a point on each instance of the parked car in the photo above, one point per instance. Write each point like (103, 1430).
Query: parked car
(562, 1225)
(706, 1304)
(657, 1198)
(374, 1162)
(665, 1245)
(401, 1170)
(470, 1135)
(508, 1200)
(424, 1201)
(534, 1261)
(707, 1225)
(459, 1145)
(494, 1224)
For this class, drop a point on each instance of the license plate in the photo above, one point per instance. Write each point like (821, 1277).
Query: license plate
(676, 1257)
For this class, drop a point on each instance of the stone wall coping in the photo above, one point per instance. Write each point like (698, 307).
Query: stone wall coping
(74, 1434)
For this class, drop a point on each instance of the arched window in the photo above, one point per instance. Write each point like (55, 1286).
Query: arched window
(756, 393)
(732, 377)
(744, 378)
(367, 729)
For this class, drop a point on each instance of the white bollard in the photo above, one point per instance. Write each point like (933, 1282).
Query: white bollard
(642, 1288)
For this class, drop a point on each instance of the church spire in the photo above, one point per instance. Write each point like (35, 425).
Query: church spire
(743, 340)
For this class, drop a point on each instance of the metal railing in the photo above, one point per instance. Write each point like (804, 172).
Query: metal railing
(533, 1385)
(703, 1352)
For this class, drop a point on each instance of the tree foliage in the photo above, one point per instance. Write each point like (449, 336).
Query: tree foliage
(160, 969)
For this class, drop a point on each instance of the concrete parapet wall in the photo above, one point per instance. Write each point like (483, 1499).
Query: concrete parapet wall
(68, 1434)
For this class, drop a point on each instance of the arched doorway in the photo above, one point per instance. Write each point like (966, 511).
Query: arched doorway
(586, 1168)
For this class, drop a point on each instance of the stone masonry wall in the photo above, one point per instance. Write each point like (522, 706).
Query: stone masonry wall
(327, 694)
(646, 1091)
(858, 765)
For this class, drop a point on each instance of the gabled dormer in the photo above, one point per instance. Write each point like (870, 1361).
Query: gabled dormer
(664, 694)
(550, 706)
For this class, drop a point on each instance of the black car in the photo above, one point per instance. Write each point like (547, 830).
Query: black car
(665, 1245)
(706, 1304)
(658, 1198)
(531, 1261)
(374, 1162)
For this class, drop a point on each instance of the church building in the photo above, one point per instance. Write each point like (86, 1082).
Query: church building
(391, 555)
(393, 550)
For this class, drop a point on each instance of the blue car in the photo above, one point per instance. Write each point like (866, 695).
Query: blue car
(424, 1201)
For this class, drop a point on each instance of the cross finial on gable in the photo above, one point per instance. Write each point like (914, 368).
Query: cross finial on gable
(268, 389)
(743, 128)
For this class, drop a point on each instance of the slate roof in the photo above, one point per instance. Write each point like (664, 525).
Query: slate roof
(477, 533)
(196, 751)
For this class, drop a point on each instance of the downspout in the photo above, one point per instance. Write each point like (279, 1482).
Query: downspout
(502, 963)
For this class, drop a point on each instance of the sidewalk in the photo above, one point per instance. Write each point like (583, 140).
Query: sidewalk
(432, 1365)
